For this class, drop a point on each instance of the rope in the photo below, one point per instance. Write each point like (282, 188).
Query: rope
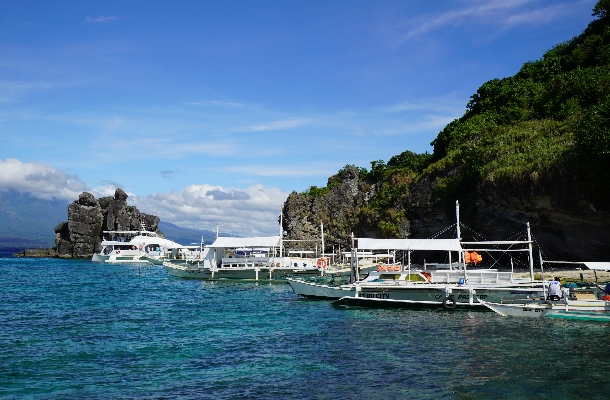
(515, 237)
(437, 234)
(541, 252)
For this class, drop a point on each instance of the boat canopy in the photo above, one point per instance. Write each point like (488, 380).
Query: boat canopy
(410, 244)
(264, 241)
(599, 266)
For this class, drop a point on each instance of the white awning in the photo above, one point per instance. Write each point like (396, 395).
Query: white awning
(233, 242)
(409, 244)
(599, 266)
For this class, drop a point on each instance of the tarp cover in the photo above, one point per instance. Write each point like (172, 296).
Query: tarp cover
(600, 266)
(263, 241)
(409, 244)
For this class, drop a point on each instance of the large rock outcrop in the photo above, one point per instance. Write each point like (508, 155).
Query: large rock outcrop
(338, 210)
(564, 223)
(88, 217)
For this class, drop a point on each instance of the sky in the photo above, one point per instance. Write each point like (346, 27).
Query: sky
(214, 111)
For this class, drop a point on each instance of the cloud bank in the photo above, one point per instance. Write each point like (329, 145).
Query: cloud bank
(252, 211)
(247, 212)
(41, 180)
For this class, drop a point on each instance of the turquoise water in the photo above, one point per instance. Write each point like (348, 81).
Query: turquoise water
(76, 329)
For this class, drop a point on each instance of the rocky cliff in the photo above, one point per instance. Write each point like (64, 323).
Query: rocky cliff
(564, 222)
(533, 147)
(88, 217)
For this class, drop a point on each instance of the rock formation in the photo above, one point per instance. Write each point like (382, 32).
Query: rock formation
(81, 235)
(564, 223)
(338, 209)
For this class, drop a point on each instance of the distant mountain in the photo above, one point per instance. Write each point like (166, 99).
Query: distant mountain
(27, 221)
(187, 236)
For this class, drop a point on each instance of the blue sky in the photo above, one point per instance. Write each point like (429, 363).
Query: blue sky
(209, 111)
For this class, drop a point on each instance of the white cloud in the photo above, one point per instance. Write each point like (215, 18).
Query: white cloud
(290, 170)
(218, 103)
(101, 18)
(500, 13)
(247, 212)
(279, 125)
(41, 180)
(9, 90)
(451, 104)
(428, 123)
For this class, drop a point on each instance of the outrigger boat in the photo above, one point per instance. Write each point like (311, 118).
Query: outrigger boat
(252, 258)
(598, 310)
(569, 307)
(264, 258)
(436, 285)
(448, 285)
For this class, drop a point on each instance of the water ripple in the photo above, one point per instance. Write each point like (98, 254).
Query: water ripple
(74, 329)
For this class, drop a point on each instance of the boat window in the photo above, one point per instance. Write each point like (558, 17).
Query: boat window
(415, 278)
(389, 276)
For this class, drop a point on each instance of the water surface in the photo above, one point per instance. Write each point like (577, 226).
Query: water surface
(76, 329)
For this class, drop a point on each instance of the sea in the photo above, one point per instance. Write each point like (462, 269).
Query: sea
(74, 329)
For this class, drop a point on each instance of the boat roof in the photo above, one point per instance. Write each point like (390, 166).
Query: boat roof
(131, 232)
(260, 241)
(409, 244)
(599, 266)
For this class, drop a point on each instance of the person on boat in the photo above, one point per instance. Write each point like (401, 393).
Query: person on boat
(606, 295)
(554, 290)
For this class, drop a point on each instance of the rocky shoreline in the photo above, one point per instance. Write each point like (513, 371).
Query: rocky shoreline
(570, 275)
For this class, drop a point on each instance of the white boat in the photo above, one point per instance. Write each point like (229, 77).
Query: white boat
(177, 255)
(426, 288)
(448, 285)
(132, 247)
(575, 309)
(252, 258)
(568, 307)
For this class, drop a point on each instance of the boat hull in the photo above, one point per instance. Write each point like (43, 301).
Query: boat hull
(410, 295)
(592, 309)
(114, 258)
(256, 274)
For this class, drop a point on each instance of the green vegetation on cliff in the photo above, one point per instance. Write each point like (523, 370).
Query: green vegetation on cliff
(551, 117)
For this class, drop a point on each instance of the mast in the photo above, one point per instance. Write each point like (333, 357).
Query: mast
(351, 261)
(322, 231)
(281, 231)
(529, 239)
(542, 272)
(457, 218)
(459, 235)
(217, 224)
